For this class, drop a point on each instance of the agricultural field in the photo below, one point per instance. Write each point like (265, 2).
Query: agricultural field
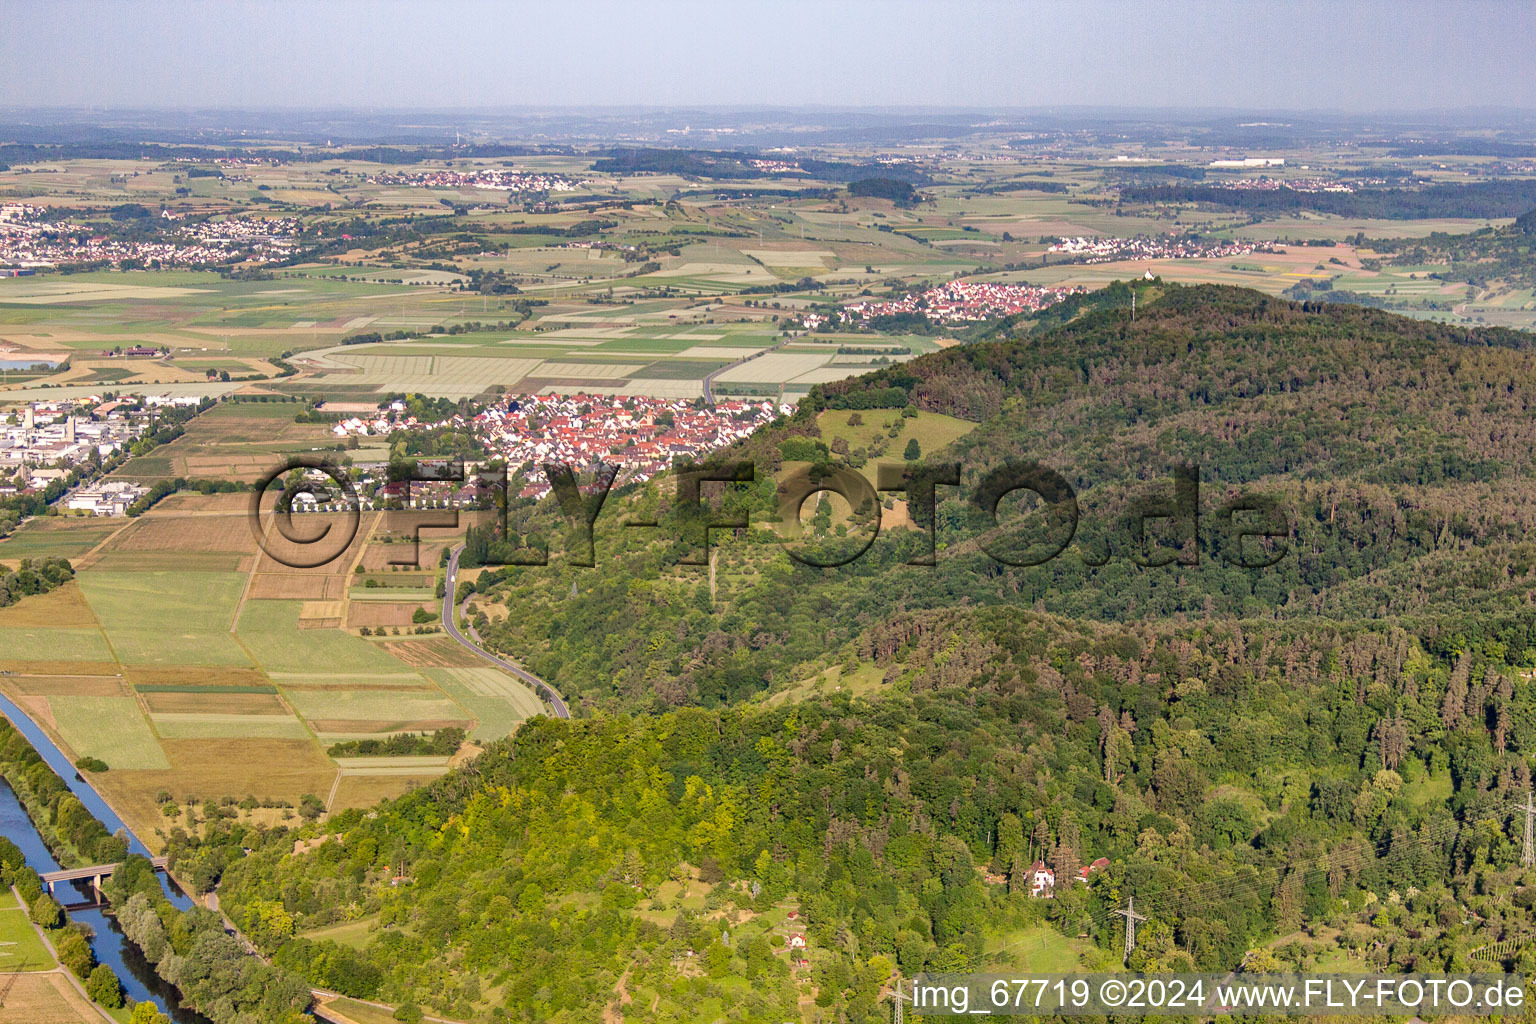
(36, 990)
(21, 949)
(210, 679)
(634, 284)
(234, 441)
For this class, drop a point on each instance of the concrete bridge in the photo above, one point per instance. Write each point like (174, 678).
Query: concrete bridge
(96, 873)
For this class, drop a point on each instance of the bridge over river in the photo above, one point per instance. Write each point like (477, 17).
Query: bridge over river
(96, 873)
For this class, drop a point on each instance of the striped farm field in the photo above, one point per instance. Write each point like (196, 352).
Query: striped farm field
(775, 367)
(373, 706)
(497, 700)
(196, 726)
(181, 532)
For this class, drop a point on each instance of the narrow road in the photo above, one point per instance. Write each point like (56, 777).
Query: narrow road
(709, 378)
(450, 585)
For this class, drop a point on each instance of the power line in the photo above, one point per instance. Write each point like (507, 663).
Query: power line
(1214, 890)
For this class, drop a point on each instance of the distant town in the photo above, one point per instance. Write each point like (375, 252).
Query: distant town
(1109, 250)
(644, 436)
(29, 241)
(500, 181)
(956, 301)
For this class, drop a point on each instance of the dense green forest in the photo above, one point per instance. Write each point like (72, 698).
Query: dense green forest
(1481, 199)
(1336, 789)
(1314, 762)
(1396, 455)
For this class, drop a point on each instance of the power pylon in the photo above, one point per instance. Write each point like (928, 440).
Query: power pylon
(1528, 852)
(1131, 917)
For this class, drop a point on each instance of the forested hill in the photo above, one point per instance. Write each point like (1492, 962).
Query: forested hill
(1315, 765)
(1397, 453)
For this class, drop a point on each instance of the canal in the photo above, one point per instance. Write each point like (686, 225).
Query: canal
(140, 982)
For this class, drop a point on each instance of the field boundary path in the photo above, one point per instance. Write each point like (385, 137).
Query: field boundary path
(452, 628)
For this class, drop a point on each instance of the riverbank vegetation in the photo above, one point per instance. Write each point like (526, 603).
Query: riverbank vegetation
(188, 949)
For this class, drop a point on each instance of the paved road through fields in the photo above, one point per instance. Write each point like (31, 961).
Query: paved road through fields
(543, 688)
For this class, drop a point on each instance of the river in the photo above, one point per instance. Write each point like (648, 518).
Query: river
(108, 943)
(140, 982)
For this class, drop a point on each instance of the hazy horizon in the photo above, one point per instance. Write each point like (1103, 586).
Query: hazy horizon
(1368, 58)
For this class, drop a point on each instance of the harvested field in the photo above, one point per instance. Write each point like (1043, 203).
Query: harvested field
(195, 679)
(367, 790)
(379, 557)
(217, 767)
(68, 686)
(191, 501)
(439, 652)
(377, 613)
(45, 999)
(321, 614)
(181, 532)
(63, 606)
(155, 561)
(321, 535)
(298, 586)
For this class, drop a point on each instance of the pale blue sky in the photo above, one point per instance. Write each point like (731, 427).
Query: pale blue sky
(1233, 53)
